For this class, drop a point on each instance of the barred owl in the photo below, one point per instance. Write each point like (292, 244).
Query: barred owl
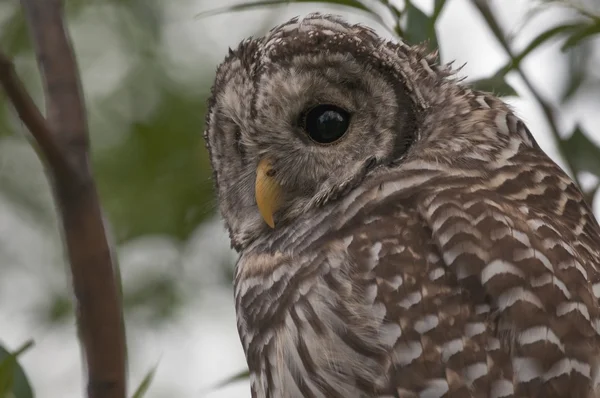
(400, 234)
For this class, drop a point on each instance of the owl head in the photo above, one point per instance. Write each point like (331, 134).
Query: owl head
(300, 117)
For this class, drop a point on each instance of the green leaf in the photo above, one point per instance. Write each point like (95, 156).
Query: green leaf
(257, 4)
(583, 153)
(536, 43)
(437, 10)
(419, 27)
(13, 381)
(246, 6)
(584, 33)
(496, 84)
(142, 389)
(578, 66)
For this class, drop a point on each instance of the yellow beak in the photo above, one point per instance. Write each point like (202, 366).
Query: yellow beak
(267, 192)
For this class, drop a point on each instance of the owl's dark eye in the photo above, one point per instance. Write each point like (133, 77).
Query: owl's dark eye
(326, 123)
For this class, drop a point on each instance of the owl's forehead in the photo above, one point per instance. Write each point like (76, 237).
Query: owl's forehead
(327, 32)
(317, 24)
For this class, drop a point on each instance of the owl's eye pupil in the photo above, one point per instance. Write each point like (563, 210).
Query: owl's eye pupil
(326, 123)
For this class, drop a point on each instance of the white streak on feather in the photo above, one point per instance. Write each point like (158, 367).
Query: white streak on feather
(550, 278)
(426, 323)
(499, 267)
(575, 264)
(389, 334)
(410, 299)
(482, 309)
(474, 329)
(406, 352)
(566, 366)
(516, 294)
(502, 388)
(539, 334)
(436, 273)
(436, 388)
(569, 306)
(522, 254)
(493, 344)
(451, 347)
(475, 371)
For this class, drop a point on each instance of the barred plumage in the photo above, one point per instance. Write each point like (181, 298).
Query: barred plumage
(433, 251)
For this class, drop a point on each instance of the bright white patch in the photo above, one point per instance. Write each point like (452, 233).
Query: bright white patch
(502, 388)
(437, 273)
(499, 267)
(596, 289)
(474, 328)
(526, 369)
(436, 388)
(566, 366)
(450, 348)
(569, 306)
(550, 278)
(539, 333)
(426, 323)
(410, 300)
(406, 352)
(514, 295)
(475, 371)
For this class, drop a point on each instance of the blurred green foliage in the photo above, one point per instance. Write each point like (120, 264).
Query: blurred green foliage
(13, 382)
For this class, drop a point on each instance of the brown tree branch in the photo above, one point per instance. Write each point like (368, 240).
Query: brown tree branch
(29, 113)
(63, 141)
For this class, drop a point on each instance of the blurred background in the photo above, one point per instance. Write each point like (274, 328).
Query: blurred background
(147, 67)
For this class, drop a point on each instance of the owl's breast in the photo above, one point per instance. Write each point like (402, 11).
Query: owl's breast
(309, 324)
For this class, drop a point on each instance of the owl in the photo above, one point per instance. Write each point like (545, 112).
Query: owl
(399, 234)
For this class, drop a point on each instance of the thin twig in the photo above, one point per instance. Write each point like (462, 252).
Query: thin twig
(29, 113)
(484, 8)
(63, 141)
